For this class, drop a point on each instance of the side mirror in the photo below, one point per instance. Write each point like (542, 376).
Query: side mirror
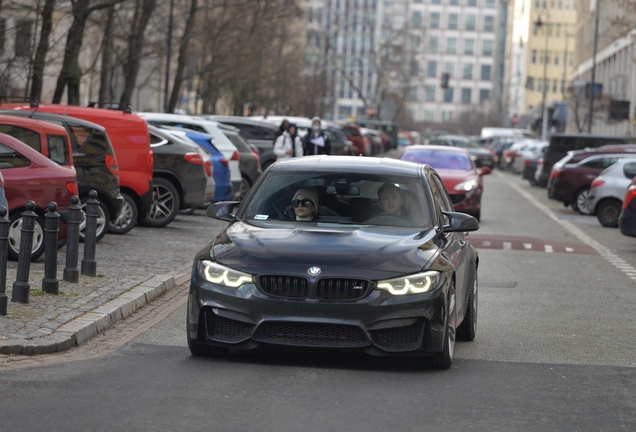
(222, 210)
(485, 170)
(460, 222)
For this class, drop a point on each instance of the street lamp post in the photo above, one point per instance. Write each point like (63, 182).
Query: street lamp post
(544, 108)
(597, 12)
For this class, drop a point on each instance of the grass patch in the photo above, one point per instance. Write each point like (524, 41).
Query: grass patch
(40, 293)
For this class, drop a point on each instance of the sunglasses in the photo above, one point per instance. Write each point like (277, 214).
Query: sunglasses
(303, 203)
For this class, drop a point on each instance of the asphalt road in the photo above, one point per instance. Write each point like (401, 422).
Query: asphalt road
(555, 351)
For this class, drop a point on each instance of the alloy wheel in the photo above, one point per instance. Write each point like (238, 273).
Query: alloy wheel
(125, 217)
(163, 203)
(15, 235)
(583, 202)
(101, 221)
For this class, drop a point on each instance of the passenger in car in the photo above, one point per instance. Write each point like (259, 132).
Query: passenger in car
(391, 199)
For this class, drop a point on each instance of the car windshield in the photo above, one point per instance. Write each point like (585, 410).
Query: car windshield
(339, 198)
(439, 159)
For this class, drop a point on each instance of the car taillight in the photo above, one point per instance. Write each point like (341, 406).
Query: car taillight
(224, 162)
(597, 183)
(150, 164)
(527, 162)
(208, 168)
(631, 194)
(555, 173)
(235, 156)
(111, 164)
(72, 188)
(257, 158)
(194, 158)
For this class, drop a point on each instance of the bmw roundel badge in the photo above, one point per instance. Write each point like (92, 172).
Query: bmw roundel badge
(314, 271)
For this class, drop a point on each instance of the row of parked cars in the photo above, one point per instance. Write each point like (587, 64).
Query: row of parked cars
(145, 167)
(592, 174)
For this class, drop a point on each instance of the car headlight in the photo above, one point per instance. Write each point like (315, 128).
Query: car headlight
(221, 275)
(413, 284)
(467, 185)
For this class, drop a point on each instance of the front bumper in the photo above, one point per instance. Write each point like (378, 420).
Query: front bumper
(378, 323)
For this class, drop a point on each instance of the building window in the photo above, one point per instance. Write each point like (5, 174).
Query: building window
(412, 94)
(556, 59)
(467, 71)
(433, 44)
(415, 68)
(483, 95)
(416, 19)
(466, 95)
(435, 18)
(490, 3)
(485, 72)
(451, 45)
(430, 93)
(429, 115)
(436, 1)
(449, 68)
(448, 94)
(23, 38)
(486, 48)
(489, 23)
(471, 22)
(431, 69)
(534, 57)
(344, 111)
(453, 2)
(416, 42)
(471, 2)
(469, 46)
(447, 116)
(453, 19)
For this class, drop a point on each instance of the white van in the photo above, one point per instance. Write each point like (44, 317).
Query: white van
(489, 132)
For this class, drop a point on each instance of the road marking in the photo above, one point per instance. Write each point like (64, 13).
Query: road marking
(527, 245)
(567, 249)
(603, 251)
(507, 246)
(485, 243)
(549, 249)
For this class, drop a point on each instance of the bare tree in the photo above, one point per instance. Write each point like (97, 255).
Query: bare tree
(183, 54)
(579, 104)
(105, 77)
(71, 73)
(42, 50)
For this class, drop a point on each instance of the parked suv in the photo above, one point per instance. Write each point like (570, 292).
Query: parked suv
(561, 144)
(180, 177)
(608, 191)
(128, 134)
(93, 158)
(571, 177)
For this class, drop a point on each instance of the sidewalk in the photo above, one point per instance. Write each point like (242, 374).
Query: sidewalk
(133, 270)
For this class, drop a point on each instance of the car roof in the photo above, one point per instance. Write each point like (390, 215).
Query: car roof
(22, 121)
(447, 149)
(346, 164)
(242, 120)
(44, 116)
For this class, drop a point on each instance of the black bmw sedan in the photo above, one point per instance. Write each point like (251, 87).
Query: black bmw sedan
(327, 252)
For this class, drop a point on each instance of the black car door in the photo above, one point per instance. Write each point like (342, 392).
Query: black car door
(455, 244)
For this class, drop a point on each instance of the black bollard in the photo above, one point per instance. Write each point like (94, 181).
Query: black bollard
(4, 241)
(71, 272)
(50, 284)
(89, 265)
(21, 285)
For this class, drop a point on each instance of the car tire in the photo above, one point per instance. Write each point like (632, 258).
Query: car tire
(608, 212)
(15, 224)
(581, 202)
(103, 218)
(444, 359)
(242, 192)
(467, 330)
(127, 217)
(165, 204)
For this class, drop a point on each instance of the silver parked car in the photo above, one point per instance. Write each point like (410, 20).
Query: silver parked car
(608, 191)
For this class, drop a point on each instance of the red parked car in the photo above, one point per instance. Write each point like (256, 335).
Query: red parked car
(458, 172)
(129, 136)
(361, 144)
(29, 175)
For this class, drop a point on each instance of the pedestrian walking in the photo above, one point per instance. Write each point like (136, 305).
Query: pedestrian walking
(282, 128)
(288, 144)
(316, 142)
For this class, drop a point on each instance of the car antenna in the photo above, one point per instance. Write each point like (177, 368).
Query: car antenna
(34, 103)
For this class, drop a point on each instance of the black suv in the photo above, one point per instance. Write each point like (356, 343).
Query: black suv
(94, 161)
(180, 177)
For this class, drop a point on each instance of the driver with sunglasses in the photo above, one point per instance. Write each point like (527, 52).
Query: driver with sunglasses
(305, 205)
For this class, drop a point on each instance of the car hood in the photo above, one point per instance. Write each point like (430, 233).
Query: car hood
(288, 248)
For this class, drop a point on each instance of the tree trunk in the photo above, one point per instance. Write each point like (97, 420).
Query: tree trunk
(183, 54)
(143, 12)
(107, 56)
(71, 73)
(42, 49)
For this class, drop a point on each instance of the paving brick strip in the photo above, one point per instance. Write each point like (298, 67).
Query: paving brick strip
(133, 270)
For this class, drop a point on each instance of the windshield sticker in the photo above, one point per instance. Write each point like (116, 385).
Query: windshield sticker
(261, 217)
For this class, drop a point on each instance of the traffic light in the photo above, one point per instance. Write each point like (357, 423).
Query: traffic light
(445, 78)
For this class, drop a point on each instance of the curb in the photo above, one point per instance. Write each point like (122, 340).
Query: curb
(81, 329)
